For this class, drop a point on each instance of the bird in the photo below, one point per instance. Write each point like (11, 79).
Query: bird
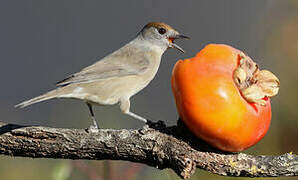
(120, 75)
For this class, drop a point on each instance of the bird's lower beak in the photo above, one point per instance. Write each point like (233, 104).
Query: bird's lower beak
(173, 45)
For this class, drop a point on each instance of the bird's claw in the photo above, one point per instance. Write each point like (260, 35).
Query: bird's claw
(156, 125)
(92, 129)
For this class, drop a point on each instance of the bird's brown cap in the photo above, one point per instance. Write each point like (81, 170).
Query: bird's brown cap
(158, 25)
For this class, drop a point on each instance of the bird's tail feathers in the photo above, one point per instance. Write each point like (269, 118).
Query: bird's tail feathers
(46, 96)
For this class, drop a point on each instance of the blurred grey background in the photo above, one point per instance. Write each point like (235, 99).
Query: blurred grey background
(42, 42)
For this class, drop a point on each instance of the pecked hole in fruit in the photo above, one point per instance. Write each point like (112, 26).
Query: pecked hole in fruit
(255, 85)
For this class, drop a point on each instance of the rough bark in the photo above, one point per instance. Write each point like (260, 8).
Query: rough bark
(158, 146)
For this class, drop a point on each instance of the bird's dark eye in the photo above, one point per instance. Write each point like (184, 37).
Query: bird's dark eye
(162, 31)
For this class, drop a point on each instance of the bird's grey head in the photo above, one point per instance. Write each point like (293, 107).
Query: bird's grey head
(162, 35)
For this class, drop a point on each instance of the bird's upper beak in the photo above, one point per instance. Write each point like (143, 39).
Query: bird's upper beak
(173, 45)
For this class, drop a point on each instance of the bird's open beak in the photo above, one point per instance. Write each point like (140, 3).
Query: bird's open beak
(173, 45)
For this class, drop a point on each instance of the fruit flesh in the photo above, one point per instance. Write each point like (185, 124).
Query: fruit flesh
(211, 105)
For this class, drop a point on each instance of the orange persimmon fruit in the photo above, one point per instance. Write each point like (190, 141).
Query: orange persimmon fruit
(211, 104)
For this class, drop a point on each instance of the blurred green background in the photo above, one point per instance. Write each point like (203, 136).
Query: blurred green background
(44, 41)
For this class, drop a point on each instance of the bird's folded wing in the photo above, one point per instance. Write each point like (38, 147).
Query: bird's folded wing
(103, 70)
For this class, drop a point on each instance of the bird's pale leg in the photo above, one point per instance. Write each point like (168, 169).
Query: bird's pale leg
(95, 125)
(125, 105)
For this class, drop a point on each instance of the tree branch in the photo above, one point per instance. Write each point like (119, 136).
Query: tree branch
(157, 146)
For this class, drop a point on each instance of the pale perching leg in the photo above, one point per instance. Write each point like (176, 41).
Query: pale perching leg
(95, 125)
(125, 105)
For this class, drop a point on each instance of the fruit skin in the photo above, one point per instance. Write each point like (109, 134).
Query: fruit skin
(211, 105)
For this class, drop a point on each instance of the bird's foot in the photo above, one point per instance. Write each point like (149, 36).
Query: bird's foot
(92, 129)
(156, 125)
